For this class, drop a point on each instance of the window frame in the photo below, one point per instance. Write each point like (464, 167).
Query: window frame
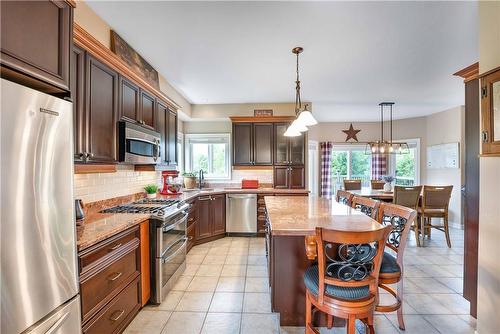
(197, 138)
(181, 152)
(412, 142)
(348, 148)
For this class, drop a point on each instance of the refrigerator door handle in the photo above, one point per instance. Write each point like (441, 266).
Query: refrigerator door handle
(57, 324)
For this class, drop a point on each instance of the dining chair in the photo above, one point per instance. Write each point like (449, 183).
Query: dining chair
(409, 197)
(377, 184)
(352, 185)
(435, 203)
(344, 282)
(366, 205)
(344, 197)
(399, 219)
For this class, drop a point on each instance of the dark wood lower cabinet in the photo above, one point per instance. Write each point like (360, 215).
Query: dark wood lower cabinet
(219, 214)
(110, 282)
(211, 221)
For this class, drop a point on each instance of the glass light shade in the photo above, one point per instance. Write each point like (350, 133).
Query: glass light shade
(298, 126)
(306, 118)
(291, 132)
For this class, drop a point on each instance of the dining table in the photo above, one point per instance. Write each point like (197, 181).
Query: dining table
(386, 196)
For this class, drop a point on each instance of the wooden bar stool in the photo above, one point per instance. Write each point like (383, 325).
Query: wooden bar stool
(435, 202)
(409, 197)
(399, 219)
(377, 184)
(344, 197)
(352, 185)
(344, 283)
(366, 205)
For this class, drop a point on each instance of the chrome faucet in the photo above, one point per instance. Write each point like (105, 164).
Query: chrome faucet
(201, 179)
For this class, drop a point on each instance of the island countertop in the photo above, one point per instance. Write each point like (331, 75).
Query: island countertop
(296, 215)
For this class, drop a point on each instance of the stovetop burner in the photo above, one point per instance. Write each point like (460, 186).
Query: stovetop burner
(167, 202)
(156, 207)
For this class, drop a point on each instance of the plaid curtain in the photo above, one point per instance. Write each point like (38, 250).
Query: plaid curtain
(379, 166)
(326, 166)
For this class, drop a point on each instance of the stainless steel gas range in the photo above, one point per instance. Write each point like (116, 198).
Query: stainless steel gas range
(168, 239)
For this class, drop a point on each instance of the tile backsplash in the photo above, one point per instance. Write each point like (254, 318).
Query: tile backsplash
(126, 181)
(100, 186)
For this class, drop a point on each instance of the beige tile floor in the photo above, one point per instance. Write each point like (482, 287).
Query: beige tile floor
(224, 291)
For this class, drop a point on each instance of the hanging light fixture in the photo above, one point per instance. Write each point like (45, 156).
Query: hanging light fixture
(383, 146)
(304, 118)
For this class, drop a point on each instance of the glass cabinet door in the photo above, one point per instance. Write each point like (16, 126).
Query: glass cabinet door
(495, 110)
(490, 113)
(280, 144)
(297, 150)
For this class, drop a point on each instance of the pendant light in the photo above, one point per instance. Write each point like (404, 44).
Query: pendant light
(383, 146)
(304, 118)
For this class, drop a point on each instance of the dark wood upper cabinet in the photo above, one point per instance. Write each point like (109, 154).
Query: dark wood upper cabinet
(289, 177)
(242, 144)
(172, 137)
(281, 176)
(219, 214)
(101, 111)
(77, 87)
(36, 41)
(288, 151)
(147, 115)
(263, 144)
(166, 125)
(490, 113)
(129, 100)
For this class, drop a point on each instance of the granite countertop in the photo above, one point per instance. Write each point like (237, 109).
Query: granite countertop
(100, 226)
(300, 215)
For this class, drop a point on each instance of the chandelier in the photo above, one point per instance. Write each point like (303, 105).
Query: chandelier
(304, 117)
(383, 146)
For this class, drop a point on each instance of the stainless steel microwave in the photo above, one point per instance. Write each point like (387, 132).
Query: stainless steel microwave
(138, 145)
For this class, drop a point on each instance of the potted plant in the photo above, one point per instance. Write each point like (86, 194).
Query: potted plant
(388, 182)
(189, 180)
(151, 190)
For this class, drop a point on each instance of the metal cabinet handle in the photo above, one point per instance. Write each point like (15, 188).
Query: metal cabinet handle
(114, 276)
(484, 136)
(90, 155)
(116, 315)
(115, 247)
(208, 198)
(190, 238)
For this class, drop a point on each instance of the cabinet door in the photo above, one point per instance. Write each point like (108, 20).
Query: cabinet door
(281, 177)
(77, 87)
(297, 150)
(219, 214)
(263, 143)
(242, 144)
(204, 227)
(280, 144)
(172, 137)
(297, 179)
(490, 113)
(161, 127)
(36, 39)
(129, 100)
(102, 107)
(147, 115)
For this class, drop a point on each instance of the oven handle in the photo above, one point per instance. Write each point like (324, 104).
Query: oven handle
(177, 222)
(143, 140)
(184, 241)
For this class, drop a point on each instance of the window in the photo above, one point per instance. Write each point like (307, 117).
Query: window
(406, 166)
(350, 162)
(209, 152)
(180, 152)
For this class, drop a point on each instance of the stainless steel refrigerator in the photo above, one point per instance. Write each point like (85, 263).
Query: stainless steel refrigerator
(39, 284)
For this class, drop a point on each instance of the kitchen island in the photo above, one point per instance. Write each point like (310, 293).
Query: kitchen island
(290, 219)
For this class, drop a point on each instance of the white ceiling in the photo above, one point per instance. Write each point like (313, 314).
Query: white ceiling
(356, 54)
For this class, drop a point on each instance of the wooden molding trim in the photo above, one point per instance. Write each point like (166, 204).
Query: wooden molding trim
(72, 3)
(489, 72)
(86, 41)
(469, 73)
(91, 169)
(251, 119)
(252, 167)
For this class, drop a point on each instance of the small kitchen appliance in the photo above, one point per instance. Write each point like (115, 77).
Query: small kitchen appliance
(170, 186)
(249, 184)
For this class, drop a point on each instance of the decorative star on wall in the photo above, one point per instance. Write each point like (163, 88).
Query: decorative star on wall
(351, 133)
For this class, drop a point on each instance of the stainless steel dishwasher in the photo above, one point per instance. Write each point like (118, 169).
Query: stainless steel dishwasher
(241, 213)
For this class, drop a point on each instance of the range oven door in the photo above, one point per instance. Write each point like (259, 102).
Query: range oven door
(170, 234)
(167, 266)
(137, 144)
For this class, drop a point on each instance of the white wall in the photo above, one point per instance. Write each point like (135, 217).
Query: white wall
(488, 321)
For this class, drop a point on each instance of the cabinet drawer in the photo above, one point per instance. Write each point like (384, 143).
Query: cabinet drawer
(118, 313)
(99, 285)
(114, 244)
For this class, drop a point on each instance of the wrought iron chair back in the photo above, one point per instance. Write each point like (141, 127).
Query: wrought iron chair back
(366, 205)
(344, 197)
(349, 259)
(400, 219)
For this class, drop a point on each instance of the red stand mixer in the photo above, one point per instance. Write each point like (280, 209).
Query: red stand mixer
(169, 186)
